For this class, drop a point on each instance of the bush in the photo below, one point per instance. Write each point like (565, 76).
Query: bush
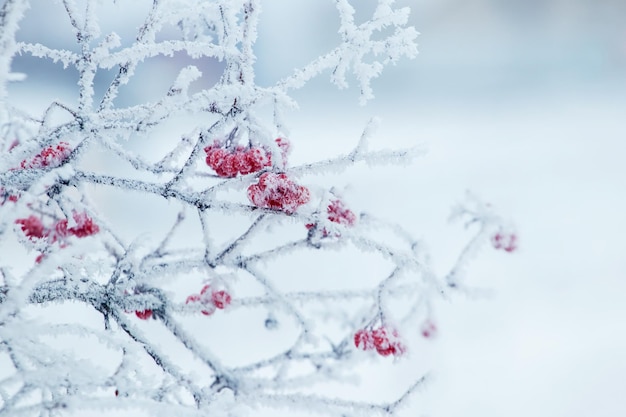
(195, 318)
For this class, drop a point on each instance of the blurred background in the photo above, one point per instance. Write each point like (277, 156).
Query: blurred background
(521, 101)
(524, 103)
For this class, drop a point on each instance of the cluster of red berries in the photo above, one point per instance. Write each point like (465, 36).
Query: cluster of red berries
(337, 213)
(84, 226)
(210, 299)
(272, 191)
(383, 339)
(33, 228)
(228, 163)
(50, 157)
(505, 241)
(278, 192)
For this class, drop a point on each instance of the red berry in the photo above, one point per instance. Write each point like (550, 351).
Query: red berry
(364, 340)
(227, 167)
(193, 298)
(284, 146)
(32, 227)
(504, 241)
(512, 243)
(387, 342)
(428, 329)
(214, 156)
(196, 298)
(52, 156)
(339, 214)
(496, 240)
(60, 228)
(208, 312)
(84, 225)
(257, 159)
(144, 315)
(221, 299)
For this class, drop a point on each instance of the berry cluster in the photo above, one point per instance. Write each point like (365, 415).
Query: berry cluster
(383, 339)
(210, 299)
(505, 241)
(33, 228)
(278, 192)
(228, 163)
(337, 213)
(50, 157)
(272, 191)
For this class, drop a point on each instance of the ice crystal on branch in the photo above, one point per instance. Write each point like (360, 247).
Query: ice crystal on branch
(141, 335)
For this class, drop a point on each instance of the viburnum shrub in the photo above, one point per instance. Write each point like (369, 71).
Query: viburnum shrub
(121, 200)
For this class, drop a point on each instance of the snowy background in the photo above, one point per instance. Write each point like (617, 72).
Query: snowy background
(520, 101)
(524, 103)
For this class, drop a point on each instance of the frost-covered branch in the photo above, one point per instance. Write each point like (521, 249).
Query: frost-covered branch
(236, 231)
